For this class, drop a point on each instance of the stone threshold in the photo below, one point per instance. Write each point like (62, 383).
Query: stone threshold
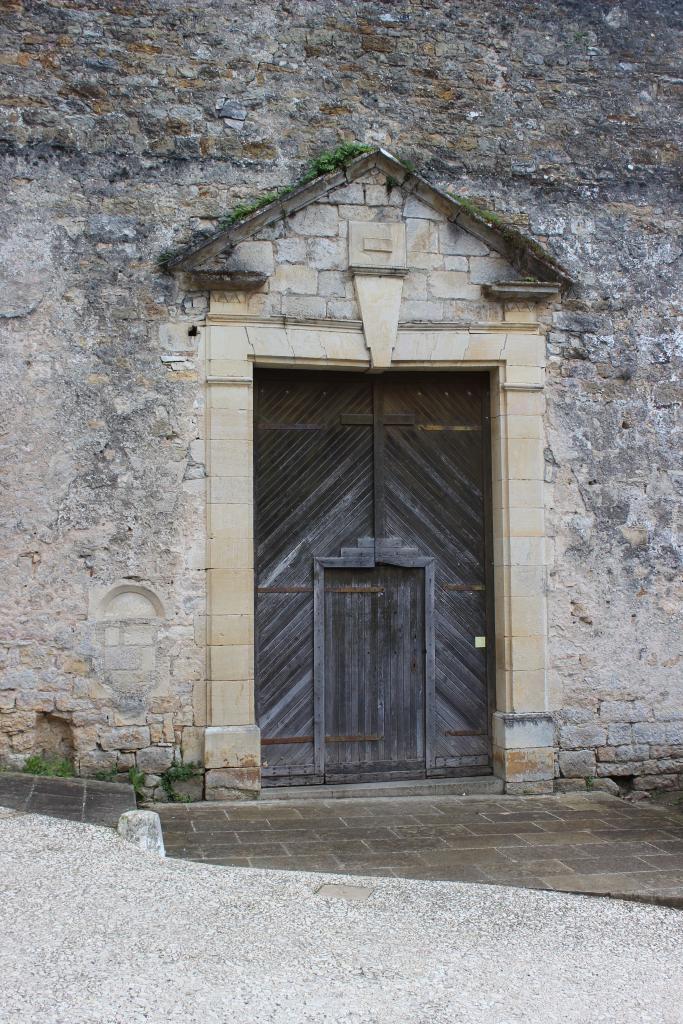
(476, 785)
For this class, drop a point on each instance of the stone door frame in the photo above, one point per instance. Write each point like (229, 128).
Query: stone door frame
(513, 352)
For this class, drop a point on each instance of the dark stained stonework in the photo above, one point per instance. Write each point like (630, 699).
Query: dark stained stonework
(132, 126)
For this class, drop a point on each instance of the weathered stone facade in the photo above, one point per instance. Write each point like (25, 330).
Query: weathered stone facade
(130, 130)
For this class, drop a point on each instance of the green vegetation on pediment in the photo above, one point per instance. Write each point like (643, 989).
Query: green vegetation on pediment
(331, 160)
(515, 238)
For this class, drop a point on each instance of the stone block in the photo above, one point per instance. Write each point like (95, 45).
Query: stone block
(106, 227)
(333, 284)
(649, 732)
(230, 458)
(303, 306)
(415, 285)
(422, 236)
(379, 299)
(453, 241)
(518, 731)
(97, 761)
(527, 613)
(674, 732)
(450, 284)
(192, 744)
(231, 660)
(524, 494)
(143, 829)
(577, 763)
(231, 490)
(231, 629)
(529, 788)
(574, 716)
(529, 765)
(489, 269)
(377, 244)
(248, 256)
(570, 785)
(659, 751)
(461, 263)
(525, 458)
(154, 759)
(414, 207)
(231, 591)
(231, 521)
(618, 769)
(236, 746)
(632, 752)
(619, 733)
(349, 194)
(528, 687)
(577, 737)
(174, 338)
(232, 701)
(229, 424)
(327, 254)
(380, 195)
(426, 260)
(294, 279)
(415, 309)
(128, 737)
(575, 322)
(318, 219)
(647, 783)
(290, 250)
(624, 711)
(528, 653)
(342, 309)
(232, 783)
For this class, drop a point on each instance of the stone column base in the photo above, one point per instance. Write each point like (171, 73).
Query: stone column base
(524, 752)
(232, 757)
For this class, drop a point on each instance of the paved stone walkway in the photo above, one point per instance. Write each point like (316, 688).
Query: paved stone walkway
(87, 800)
(592, 844)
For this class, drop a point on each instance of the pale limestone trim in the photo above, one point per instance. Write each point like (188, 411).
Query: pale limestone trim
(515, 355)
(379, 299)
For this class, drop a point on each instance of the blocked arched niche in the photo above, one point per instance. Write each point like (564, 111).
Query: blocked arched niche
(131, 601)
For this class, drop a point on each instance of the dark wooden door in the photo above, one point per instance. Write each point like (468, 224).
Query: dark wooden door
(374, 650)
(372, 571)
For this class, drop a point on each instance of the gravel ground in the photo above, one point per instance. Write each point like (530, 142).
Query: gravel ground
(94, 930)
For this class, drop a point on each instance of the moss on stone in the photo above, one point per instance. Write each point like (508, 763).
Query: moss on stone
(515, 238)
(331, 160)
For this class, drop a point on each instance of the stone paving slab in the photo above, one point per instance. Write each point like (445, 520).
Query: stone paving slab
(592, 843)
(85, 800)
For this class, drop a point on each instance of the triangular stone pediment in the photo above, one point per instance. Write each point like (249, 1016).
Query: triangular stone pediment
(374, 187)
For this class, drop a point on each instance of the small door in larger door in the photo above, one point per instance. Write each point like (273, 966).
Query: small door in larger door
(374, 649)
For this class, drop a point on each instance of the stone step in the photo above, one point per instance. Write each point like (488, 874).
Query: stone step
(479, 785)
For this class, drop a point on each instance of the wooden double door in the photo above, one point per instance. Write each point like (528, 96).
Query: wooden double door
(373, 589)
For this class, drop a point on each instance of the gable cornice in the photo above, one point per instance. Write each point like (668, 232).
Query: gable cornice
(524, 254)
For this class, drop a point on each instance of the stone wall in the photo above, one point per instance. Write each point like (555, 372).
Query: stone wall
(308, 258)
(131, 127)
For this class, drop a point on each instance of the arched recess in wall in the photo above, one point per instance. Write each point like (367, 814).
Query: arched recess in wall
(131, 601)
